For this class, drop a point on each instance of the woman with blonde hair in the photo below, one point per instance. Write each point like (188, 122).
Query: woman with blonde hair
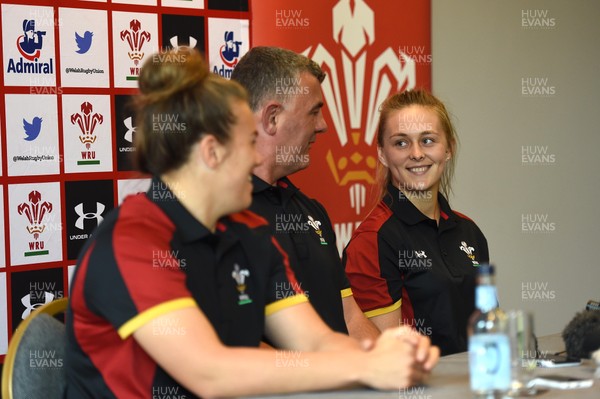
(413, 260)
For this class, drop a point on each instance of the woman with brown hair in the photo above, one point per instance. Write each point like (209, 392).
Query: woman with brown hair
(176, 288)
(413, 260)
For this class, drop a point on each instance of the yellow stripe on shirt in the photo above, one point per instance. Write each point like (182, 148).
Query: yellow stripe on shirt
(346, 292)
(284, 303)
(148, 315)
(387, 309)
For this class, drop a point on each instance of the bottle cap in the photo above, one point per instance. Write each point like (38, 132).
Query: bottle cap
(486, 269)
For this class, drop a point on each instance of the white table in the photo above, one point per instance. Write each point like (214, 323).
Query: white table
(450, 380)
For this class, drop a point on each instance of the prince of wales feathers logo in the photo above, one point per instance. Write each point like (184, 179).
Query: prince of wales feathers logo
(316, 224)
(87, 120)
(135, 38)
(35, 210)
(239, 275)
(354, 31)
(469, 251)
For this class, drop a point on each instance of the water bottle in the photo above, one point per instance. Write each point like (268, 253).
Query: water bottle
(489, 344)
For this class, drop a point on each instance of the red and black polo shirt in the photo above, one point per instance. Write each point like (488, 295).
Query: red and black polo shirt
(150, 257)
(304, 230)
(399, 258)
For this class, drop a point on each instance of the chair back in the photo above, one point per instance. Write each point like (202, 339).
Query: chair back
(34, 363)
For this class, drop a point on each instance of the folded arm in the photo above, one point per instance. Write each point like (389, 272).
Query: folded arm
(200, 362)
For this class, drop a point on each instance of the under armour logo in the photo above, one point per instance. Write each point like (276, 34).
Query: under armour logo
(29, 307)
(130, 129)
(175, 42)
(89, 215)
(420, 254)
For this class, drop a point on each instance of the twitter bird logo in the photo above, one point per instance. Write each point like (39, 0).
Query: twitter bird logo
(32, 130)
(83, 43)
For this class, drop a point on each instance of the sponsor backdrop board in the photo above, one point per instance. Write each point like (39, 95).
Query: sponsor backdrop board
(71, 67)
(70, 70)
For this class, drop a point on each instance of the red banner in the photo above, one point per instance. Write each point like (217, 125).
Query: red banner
(369, 49)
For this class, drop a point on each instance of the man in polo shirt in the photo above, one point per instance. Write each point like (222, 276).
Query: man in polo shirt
(285, 96)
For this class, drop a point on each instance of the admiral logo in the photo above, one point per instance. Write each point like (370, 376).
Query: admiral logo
(87, 121)
(30, 45)
(135, 37)
(32, 129)
(83, 42)
(230, 53)
(35, 210)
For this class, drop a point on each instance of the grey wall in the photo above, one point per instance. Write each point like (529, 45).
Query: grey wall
(516, 89)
